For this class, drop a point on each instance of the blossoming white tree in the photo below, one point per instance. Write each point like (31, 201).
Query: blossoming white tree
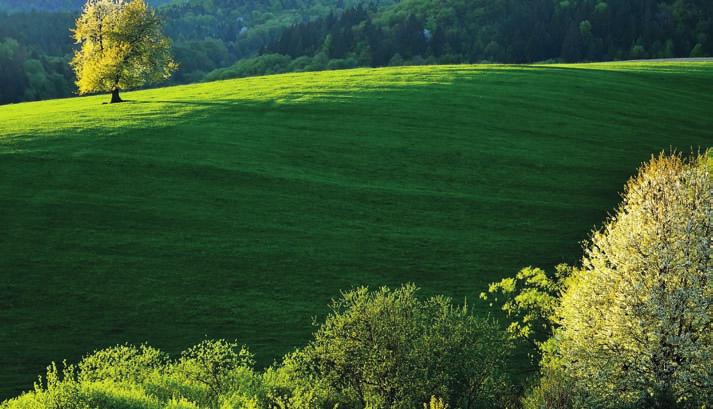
(636, 322)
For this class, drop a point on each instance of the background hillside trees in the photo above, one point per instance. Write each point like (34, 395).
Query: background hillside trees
(209, 36)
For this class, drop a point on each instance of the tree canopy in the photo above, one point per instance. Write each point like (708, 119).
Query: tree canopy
(381, 349)
(637, 320)
(122, 47)
(632, 326)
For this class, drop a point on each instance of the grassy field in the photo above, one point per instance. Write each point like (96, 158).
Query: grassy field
(237, 209)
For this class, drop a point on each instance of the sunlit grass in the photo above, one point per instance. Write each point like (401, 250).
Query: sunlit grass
(238, 208)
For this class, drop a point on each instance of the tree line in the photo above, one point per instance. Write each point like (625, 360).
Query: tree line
(205, 35)
(507, 31)
(629, 327)
(416, 32)
(216, 39)
(53, 5)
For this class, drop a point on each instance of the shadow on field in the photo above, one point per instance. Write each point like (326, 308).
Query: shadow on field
(197, 103)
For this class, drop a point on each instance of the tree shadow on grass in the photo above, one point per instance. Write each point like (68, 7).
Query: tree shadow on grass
(183, 102)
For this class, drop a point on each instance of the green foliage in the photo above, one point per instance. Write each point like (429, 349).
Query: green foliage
(458, 31)
(52, 5)
(530, 301)
(111, 395)
(698, 51)
(554, 390)
(122, 47)
(122, 363)
(209, 36)
(435, 403)
(392, 349)
(60, 389)
(388, 349)
(636, 321)
(286, 386)
(212, 374)
(181, 403)
(34, 57)
(632, 327)
(213, 364)
(265, 64)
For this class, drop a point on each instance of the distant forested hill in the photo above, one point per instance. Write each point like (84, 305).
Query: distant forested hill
(217, 39)
(35, 46)
(209, 34)
(54, 5)
(508, 31)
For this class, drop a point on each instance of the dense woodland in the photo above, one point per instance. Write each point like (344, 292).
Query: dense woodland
(507, 31)
(54, 5)
(233, 38)
(35, 43)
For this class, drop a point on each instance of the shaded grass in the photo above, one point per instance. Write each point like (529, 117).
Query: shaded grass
(238, 208)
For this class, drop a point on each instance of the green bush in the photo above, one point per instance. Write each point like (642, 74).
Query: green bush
(181, 403)
(380, 349)
(389, 349)
(110, 395)
(59, 390)
(122, 363)
(554, 390)
(286, 386)
(218, 366)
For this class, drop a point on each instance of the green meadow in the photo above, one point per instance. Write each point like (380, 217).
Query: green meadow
(238, 209)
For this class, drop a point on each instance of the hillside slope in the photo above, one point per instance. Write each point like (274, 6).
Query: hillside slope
(237, 209)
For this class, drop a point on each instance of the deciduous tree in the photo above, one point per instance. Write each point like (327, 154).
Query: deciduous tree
(122, 47)
(636, 323)
(389, 349)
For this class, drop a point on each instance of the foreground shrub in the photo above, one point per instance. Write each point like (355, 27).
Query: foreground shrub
(632, 327)
(122, 363)
(110, 395)
(207, 375)
(215, 365)
(388, 349)
(181, 403)
(58, 390)
(287, 386)
(554, 390)
(530, 300)
(212, 374)
(435, 403)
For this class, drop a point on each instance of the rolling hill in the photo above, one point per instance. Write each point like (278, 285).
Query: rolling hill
(237, 209)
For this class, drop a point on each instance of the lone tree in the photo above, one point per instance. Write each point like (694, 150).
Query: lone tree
(122, 47)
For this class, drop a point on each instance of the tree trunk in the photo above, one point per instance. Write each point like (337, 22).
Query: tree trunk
(115, 98)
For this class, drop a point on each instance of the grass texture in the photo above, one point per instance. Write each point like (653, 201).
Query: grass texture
(237, 209)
